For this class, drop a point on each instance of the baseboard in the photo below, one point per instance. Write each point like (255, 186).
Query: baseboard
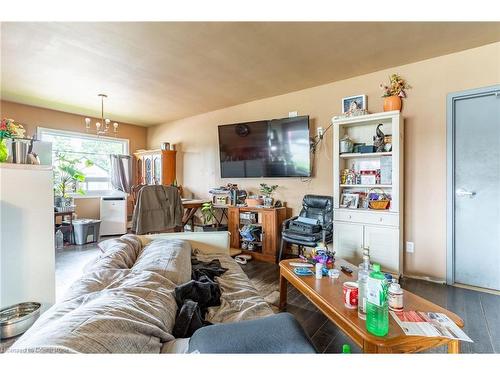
(463, 286)
(478, 289)
(425, 278)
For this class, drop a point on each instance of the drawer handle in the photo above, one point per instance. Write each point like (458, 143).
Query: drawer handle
(381, 219)
(349, 217)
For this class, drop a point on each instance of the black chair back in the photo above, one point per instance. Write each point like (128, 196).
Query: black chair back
(319, 207)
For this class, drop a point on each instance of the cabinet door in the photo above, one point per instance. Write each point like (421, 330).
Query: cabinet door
(148, 169)
(270, 233)
(233, 227)
(383, 243)
(157, 169)
(348, 241)
(139, 172)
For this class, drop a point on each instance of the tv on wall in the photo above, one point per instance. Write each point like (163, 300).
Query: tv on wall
(270, 148)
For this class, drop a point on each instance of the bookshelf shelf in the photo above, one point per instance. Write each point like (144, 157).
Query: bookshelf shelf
(365, 155)
(366, 186)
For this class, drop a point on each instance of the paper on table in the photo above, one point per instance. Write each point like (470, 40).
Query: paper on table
(430, 324)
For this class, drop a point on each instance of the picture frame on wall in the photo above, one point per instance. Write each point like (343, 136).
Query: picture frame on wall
(349, 200)
(354, 103)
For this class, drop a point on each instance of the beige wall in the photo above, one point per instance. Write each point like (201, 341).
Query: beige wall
(32, 117)
(425, 159)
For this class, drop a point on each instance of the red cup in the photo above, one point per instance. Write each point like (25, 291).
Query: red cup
(350, 292)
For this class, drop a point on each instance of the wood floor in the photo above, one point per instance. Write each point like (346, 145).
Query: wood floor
(480, 312)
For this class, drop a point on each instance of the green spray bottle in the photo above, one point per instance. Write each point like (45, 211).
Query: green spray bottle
(377, 310)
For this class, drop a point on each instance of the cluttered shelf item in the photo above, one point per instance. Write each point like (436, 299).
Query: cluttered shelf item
(256, 230)
(228, 195)
(337, 297)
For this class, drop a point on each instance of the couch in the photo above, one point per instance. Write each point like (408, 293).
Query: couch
(124, 303)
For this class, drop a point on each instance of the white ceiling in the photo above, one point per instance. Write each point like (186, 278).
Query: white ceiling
(158, 72)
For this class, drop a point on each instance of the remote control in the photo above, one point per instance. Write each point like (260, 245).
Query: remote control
(346, 269)
(300, 264)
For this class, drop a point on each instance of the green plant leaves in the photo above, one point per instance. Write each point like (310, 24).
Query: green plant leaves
(207, 212)
(267, 190)
(67, 176)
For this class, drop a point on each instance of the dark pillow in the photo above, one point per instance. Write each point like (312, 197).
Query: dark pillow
(280, 333)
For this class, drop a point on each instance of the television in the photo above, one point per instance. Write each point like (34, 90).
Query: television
(269, 148)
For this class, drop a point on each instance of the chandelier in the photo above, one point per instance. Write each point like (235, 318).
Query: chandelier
(103, 126)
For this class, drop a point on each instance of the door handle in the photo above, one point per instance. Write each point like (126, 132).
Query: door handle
(465, 193)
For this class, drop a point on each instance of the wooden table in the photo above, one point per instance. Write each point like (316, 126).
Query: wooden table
(326, 295)
(62, 215)
(223, 213)
(190, 208)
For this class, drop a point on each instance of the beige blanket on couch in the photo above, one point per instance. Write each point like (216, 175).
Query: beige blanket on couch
(124, 301)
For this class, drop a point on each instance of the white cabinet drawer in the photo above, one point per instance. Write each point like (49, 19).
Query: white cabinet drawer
(366, 217)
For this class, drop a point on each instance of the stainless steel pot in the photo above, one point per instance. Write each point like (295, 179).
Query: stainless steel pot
(16, 319)
(19, 149)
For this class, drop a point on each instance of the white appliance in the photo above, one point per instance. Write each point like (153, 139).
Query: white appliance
(113, 215)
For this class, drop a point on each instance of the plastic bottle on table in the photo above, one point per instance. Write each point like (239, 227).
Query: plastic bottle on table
(395, 296)
(377, 311)
(363, 274)
(319, 270)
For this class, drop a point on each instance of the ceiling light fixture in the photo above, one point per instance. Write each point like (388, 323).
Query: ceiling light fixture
(103, 126)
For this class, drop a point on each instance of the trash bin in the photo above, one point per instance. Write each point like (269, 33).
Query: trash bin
(86, 231)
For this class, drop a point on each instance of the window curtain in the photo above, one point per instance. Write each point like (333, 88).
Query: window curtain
(121, 170)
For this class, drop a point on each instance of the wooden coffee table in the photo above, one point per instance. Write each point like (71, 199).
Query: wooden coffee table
(326, 295)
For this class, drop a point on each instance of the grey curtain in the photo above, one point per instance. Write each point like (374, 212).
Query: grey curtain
(121, 171)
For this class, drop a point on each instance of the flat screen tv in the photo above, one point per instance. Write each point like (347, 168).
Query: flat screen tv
(270, 148)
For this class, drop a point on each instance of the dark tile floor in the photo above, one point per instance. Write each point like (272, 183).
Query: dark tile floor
(480, 311)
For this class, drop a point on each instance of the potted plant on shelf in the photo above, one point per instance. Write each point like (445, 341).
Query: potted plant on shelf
(267, 191)
(209, 222)
(66, 179)
(12, 130)
(394, 92)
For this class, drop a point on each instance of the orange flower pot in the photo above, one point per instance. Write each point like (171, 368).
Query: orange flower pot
(392, 103)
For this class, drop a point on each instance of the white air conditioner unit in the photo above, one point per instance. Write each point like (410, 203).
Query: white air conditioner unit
(113, 216)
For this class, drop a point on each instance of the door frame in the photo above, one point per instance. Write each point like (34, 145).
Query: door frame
(451, 99)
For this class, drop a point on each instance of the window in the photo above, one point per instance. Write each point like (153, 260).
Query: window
(86, 147)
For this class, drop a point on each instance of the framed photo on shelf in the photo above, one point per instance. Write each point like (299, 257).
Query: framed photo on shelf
(349, 200)
(353, 103)
(363, 201)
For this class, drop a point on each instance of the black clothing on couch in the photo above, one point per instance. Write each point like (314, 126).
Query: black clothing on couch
(196, 296)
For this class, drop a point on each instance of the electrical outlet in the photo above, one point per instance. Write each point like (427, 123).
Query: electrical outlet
(320, 131)
(410, 247)
(293, 114)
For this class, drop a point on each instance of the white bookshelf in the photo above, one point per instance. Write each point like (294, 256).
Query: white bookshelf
(355, 228)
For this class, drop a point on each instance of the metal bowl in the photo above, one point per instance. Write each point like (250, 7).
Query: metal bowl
(16, 319)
